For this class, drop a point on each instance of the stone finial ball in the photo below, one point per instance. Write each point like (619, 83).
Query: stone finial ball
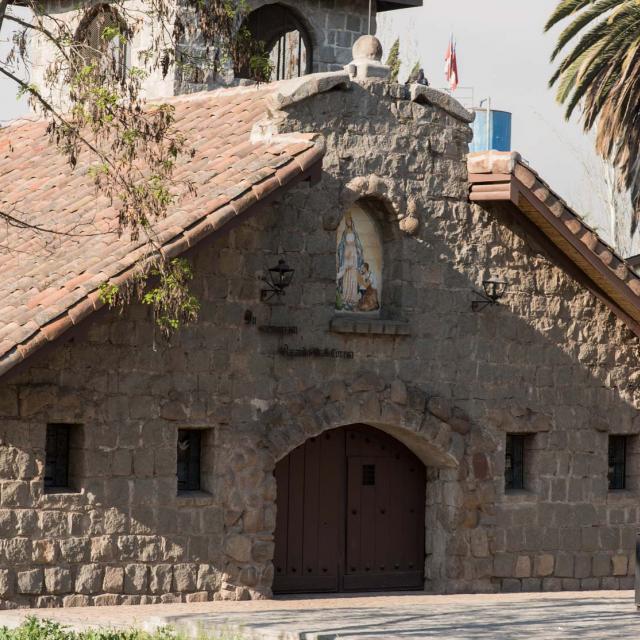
(367, 48)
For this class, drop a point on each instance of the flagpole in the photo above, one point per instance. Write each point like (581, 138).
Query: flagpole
(369, 28)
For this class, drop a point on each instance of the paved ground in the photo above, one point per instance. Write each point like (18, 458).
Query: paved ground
(595, 615)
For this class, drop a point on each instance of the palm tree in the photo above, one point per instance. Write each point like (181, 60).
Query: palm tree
(601, 75)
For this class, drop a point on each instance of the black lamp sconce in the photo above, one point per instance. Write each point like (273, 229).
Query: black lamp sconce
(278, 278)
(493, 290)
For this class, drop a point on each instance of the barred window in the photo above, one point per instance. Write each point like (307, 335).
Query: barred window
(189, 454)
(56, 472)
(514, 476)
(617, 463)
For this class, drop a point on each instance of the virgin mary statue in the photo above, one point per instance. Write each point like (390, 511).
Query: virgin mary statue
(350, 258)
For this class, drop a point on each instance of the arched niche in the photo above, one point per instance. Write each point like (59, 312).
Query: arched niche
(284, 37)
(359, 262)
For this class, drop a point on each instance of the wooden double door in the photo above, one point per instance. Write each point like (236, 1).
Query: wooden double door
(350, 514)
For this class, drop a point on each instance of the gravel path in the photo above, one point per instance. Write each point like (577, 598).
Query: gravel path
(595, 615)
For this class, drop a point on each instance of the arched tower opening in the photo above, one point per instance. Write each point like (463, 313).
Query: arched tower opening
(284, 38)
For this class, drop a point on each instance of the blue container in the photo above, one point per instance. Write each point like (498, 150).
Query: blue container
(494, 135)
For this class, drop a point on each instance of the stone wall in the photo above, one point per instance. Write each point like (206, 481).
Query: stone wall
(333, 28)
(550, 360)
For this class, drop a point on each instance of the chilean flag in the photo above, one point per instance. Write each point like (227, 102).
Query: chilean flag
(451, 65)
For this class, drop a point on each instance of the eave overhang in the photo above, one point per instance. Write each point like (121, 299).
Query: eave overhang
(504, 177)
(391, 5)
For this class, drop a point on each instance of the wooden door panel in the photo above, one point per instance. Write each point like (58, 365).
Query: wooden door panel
(309, 520)
(350, 514)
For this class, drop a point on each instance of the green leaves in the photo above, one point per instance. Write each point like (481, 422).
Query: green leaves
(173, 304)
(393, 60)
(35, 629)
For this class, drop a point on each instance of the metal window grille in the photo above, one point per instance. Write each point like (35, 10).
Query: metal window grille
(96, 48)
(56, 471)
(514, 462)
(617, 462)
(189, 459)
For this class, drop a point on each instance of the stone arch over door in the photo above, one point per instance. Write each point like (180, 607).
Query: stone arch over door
(433, 431)
(350, 514)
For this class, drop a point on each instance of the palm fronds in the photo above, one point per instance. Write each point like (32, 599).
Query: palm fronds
(600, 75)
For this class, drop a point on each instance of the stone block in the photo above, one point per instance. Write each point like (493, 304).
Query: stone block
(107, 600)
(552, 584)
(628, 582)
(113, 581)
(480, 466)
(17, 550)
(200, 596)
(479, 543)
(398, 392)
(15, 493)
(76, 601)
(6, 583)
(103, 549)
(238, 547)
(503, 565)
(620, 565)
(122, 462)
(44, 551)
(135, 578)
(531, 584)
(590, 584)
(89, 579)
(58, 580)
(570, 584)
(263, 550)
(543, 565)
(30, 582)
(523, 567)
(582, 566)
(160, 578)
(48, 602)
(511, 585)
(601, 565)
(611, 583)
(564, 566)
(209, 578)
(74, 550)
(184, 577)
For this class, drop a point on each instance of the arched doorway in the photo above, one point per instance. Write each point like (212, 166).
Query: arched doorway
(350, 514)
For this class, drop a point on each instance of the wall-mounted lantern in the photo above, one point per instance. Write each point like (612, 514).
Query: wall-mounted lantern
(278, 278)
(494, 289)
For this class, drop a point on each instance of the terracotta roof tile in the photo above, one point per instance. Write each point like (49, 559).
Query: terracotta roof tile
(50, 282)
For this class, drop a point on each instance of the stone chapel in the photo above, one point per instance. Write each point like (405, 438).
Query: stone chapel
(413, 368)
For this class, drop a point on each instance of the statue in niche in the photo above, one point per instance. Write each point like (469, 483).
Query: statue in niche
(358, 263)
(367, 286)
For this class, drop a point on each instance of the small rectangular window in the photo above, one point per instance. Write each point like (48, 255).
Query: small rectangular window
(368, 475)
(617, 463)
(514, 462)
(56, 469)
(189, 459)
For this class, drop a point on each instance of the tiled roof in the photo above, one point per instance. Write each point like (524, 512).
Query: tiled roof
(503, 176)
(50, 281)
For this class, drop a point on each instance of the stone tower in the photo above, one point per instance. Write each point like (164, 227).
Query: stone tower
(302, 36)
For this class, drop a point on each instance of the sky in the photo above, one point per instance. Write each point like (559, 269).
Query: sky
(503, 54)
